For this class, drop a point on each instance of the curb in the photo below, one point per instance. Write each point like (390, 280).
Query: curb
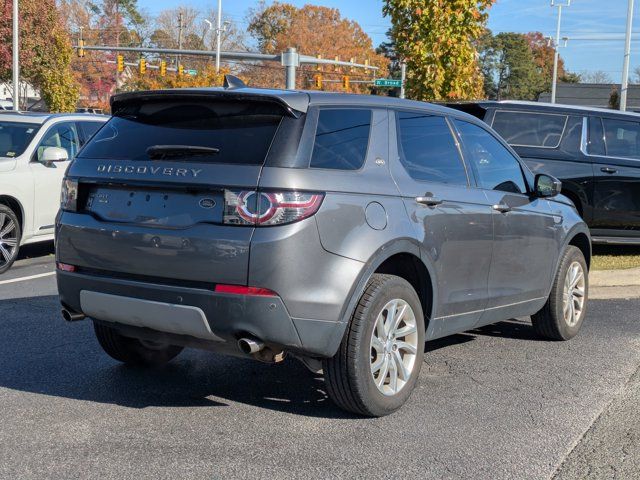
(614, 284)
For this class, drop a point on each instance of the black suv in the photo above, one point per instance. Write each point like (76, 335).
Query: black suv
(595, 152)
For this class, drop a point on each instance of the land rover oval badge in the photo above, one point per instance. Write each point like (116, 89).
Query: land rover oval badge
(207, 202)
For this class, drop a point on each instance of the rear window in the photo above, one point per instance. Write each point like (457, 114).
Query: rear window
(192, 130)
(622, 138)
(342, 137)
(526, 129)
(15, 137)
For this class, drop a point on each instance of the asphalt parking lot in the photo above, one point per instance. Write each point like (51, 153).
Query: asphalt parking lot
(492, 403)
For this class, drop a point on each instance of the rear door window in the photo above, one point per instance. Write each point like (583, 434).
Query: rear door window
(495, 167)
(528, 129)
(427, 149)
(342, 138)
(622, 138)
(595, 142)
(188, 130)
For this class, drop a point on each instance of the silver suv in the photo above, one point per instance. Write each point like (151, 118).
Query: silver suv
(343, 230)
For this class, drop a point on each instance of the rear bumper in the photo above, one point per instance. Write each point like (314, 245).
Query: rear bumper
(212, 319)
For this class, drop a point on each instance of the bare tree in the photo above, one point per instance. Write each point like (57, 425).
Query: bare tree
(597, 76)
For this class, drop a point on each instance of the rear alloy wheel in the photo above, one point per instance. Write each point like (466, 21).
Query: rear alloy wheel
(133, 351)
(9, 238)
(379, 360)
(564, 312)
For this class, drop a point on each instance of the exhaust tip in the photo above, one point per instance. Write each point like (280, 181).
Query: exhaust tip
(70, 316)
(250, 346)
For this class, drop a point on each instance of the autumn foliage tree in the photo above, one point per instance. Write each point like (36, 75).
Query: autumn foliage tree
(313, 30)
(436, 39)
(45, 52)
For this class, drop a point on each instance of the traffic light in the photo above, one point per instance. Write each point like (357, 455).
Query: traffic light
(120, 63)
(163, 68)
(180, 70)
(142, 67)
(317, 80)
(81, 48)
(345, 82)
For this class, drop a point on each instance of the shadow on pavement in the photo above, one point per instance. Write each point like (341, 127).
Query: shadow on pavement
(35, 250)
(40, 353)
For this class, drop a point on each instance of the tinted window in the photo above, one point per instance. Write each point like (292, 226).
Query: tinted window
(596, 137)
(61, 135)
(15, 137)
(427, 149)
(530, 129)
(89, 129)
(341, 140)
(240, 132)
(621, 138)
(495, 167)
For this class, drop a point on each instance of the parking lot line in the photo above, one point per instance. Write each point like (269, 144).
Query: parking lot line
(30, 277)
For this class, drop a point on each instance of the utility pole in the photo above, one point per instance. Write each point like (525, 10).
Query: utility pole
(180, 27)
(218, 35)
(403, 78)
(290, 61)
(16, 59)
(556, 57)
(627, 56)
(117, 44)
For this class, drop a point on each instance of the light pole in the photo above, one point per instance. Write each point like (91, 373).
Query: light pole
(627, 56)
(16, 59)
(218, 35)
(556, 57)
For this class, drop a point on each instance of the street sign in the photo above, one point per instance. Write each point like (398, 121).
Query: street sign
(387, 82)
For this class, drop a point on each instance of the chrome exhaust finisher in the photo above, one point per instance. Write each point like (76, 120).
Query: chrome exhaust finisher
(250, 346)
(71, 316)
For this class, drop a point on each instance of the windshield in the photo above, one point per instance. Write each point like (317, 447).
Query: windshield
(194, 131)
(15, 137)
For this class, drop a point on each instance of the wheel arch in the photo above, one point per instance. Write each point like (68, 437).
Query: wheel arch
(402, 258)
(15, 205)
(582, 241)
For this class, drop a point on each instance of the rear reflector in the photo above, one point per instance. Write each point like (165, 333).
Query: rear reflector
(66, 267)
(241, 290)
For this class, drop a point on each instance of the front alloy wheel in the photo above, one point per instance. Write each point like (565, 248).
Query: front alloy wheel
(9, 238)
(574, 294)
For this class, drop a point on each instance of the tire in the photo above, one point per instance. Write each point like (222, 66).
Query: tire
(132, 351)
(349, 378)
(553, 321)
(10, 235)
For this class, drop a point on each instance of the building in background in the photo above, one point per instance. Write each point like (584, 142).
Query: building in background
(592, 95)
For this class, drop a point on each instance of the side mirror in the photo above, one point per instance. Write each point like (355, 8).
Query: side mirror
(547, 186)
(54, 154)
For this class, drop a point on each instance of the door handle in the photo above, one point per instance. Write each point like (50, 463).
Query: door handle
(428, 201)
(608, 170)
(502, 208)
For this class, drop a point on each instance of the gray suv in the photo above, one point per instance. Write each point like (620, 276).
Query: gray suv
(343, 230)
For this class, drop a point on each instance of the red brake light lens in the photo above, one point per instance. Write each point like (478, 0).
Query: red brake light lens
(65, 267)
(263, 208)
(242, 290)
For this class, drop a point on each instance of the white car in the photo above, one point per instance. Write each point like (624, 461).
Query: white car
(35, 150)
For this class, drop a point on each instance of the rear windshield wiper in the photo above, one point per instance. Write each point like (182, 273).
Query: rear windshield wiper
(159, 152)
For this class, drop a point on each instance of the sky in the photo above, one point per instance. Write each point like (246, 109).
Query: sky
(581, 22)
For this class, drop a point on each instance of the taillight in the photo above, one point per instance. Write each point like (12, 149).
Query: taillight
(65, 267)
(242, 290)
(264, 208)
(69, 195)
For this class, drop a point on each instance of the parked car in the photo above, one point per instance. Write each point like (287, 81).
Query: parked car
(342, 229)
(35, 150)
(6, 105)
(594, 152)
